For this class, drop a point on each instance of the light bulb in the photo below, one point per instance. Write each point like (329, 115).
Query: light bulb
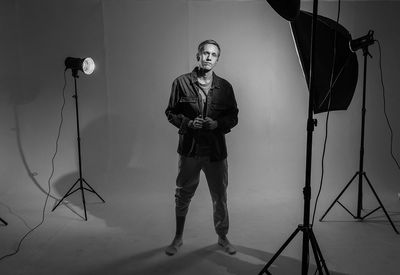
(88, 65)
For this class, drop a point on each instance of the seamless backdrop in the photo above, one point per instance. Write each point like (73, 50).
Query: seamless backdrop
(128, 146)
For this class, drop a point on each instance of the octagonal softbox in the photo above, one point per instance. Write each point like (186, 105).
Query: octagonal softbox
(329, 35)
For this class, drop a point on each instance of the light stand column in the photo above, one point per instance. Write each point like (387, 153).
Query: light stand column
(305, 228)
(361, 163)
(81, 181)
(361, 173)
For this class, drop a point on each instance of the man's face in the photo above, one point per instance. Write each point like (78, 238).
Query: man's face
(208, 58)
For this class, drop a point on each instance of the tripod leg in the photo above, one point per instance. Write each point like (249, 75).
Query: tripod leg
(66, 195)
(265, 269)
(380, 203)
(338, 197)
(317, 251)
(93, 191)
(83, 197)
(316, 255)
(3, 221)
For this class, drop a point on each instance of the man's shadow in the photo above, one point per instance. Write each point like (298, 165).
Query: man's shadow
(206, 260)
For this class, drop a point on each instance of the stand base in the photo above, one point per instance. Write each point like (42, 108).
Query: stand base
(358, 216)
(321, 266)
(81, 181)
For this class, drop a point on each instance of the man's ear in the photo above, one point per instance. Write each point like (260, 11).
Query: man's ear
(197, 56)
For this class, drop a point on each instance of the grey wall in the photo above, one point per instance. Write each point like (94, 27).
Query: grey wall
(139, 47)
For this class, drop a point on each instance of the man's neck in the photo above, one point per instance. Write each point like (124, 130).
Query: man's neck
(204, 75)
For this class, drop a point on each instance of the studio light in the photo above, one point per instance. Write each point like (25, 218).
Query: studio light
(331, 84)
(86, 65)
(311, 47)
(362, 42)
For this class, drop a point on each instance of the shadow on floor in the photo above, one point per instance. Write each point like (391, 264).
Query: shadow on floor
(112, 175)
(207, 260)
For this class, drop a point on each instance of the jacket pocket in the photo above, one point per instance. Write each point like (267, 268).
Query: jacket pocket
(188, 99)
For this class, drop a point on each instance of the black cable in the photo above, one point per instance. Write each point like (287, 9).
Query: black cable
(384, 106)
(327, 119)
(48, 181)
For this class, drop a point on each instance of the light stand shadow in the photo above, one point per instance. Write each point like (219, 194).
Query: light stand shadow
(29, 172)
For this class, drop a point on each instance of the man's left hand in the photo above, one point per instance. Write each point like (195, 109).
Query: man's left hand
(210, 124)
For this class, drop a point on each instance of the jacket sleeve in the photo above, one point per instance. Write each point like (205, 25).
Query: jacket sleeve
(174, 110)
(230, 118)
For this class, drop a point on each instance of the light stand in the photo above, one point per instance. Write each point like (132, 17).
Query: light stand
(80, 181)
(305, 228)
(361, 43)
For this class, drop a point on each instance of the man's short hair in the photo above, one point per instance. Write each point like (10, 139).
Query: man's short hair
(201, 46)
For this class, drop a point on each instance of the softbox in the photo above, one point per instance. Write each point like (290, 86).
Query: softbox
(288, 9)
(345, 71)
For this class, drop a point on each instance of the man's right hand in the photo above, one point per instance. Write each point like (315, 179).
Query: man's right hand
(197, 123)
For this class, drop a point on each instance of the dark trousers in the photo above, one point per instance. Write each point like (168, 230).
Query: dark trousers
(217, 178)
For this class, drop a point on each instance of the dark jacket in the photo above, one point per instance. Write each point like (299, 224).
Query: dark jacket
(184, 105)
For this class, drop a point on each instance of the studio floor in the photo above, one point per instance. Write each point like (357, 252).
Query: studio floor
(128, 233)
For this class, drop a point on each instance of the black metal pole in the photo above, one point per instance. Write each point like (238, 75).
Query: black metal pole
(75, 75)
(361, 164)
(310, 129)
(3, 221)
(305, 228)
(80, 180)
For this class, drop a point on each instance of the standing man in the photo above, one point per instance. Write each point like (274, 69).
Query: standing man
(203, 107)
